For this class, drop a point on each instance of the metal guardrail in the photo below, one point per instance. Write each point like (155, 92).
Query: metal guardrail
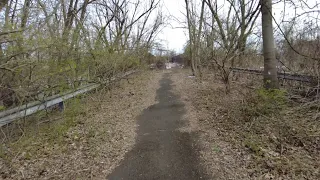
(281, 75)
(11, 115)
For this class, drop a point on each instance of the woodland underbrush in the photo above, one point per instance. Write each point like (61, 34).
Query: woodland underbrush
(278, 130)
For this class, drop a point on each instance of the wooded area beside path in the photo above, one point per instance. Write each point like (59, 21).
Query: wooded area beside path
(260, 127)
(246, 34)
(50, 47)
(275, 118)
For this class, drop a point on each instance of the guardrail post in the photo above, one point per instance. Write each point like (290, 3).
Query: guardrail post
(61, 106)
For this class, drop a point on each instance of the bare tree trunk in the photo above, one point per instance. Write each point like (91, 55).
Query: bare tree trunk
(270, 69)
(68, 21)
(6, 14)
(13, 14)
(199, 40)
(25, 13)
(24, 19)
(75, 39)
(193, 67)
(76, 34)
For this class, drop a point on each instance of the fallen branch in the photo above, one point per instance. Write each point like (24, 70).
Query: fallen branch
(10, 32)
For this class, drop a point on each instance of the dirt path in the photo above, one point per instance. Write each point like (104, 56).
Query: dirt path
(161, 150)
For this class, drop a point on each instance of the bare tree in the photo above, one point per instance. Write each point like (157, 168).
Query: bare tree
(194, 35)
(270, 63)
(227, 33)
(50, 46)
(191, 45)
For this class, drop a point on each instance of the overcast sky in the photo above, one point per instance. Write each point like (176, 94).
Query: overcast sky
(174, 37)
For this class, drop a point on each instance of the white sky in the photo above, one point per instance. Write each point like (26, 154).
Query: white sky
(173, 37)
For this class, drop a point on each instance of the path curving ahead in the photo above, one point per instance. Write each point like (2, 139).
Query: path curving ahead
(161, 150)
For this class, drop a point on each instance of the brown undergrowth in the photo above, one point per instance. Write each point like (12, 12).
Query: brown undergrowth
(251, 133)
(87, 141)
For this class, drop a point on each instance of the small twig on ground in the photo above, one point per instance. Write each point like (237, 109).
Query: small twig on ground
(4, 136)
(50, 120)
(22, 131)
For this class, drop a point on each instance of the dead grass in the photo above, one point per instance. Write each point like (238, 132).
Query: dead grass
(244, 136)
(87, 141)
(219, 157)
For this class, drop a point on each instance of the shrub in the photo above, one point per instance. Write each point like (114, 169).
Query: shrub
(264, 102)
